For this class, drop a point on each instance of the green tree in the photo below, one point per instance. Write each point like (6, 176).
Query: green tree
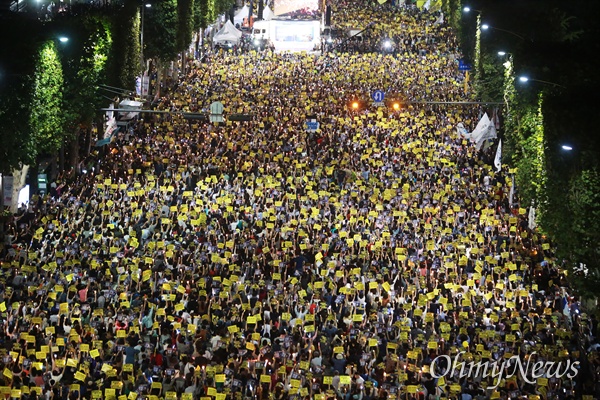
(85, 69)
(160, 31)
(185, 14)
(46, 118)
(125, 55)
(201, 17)
(584, 245)
(18, 147)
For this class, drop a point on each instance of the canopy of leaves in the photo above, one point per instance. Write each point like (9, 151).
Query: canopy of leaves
(185, 14)
(206, 11)
(160, 31)
(85, 69)
(124, 60)
(46, 117)
(17, 65)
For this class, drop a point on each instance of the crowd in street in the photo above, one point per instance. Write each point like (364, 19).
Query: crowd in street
(256, 259)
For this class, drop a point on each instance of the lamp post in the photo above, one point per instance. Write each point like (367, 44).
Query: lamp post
(485, 27)
(477, 55)
(508, 76)
(525, 79)
(147, 5)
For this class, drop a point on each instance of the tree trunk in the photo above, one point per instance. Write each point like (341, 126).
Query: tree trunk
(33, 172)
(158, 78)
(91, 140)
(61, 158)
(19, 177)
(54, 168)
(74, 151)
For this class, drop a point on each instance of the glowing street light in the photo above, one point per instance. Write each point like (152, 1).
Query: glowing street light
(525, 79)
(566, 147)
(148, 5)
(468, 9)
(501, 53)
(63, 39)
(485, 27)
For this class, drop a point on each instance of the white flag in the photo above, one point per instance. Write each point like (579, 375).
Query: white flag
(496, 119)
(440, 19)
(484, 130)
(427, 5)
(462, 131)
(498, 159)
(531, 221)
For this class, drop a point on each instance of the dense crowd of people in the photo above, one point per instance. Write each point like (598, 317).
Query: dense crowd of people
(389, 28)
(256, 259)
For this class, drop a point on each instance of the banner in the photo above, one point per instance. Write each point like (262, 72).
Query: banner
(498, 158)
(484, 130)
(531, 218)
(511, 195)
(462, 131)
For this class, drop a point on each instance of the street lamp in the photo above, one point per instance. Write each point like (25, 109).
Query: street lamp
(147, 5)
(477, 52)
(566, 147)
(525, 79)
(469, 9)
(485, 27)
(63, 39)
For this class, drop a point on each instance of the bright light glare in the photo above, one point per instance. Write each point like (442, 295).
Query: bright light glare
(256, 42)
(523, 78)
(148, 5)
(63, 39)
(567, 147)
(355, 105)
(396, 106)
(501, 53)
(485, 26)
(466, 9)
(387, 44)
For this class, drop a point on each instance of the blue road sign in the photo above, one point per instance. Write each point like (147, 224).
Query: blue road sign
(312, 126)
(463, 66)
(378, 96)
